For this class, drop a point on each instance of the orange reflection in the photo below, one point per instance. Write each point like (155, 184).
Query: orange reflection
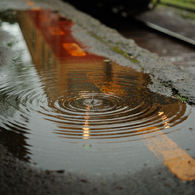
(35, 8)
(48, 33)
(105, 86)
(73, 49)
(30, 3)
(56, 31)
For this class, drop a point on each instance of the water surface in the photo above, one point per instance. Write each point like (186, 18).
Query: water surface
(62, 107)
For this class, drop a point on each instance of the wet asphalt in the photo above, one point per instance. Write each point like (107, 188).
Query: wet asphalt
(18, 177)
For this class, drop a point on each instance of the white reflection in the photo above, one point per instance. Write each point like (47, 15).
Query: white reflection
(164, 119)
(17, 43)
(86, 126)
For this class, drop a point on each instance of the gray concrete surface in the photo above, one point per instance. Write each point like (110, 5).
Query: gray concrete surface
(17, 177)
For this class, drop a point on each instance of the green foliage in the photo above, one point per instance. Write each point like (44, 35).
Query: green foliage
(181, 98)
(182, 3)
(10, 44)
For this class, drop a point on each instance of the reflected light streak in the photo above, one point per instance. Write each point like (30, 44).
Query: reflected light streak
(164, 119)
(86, 126)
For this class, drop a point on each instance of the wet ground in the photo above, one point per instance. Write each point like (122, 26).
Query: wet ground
(83, 118)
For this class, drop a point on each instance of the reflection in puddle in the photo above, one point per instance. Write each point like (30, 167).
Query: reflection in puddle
(71, 96)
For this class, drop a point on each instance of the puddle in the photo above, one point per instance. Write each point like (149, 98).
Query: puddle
(62, 107)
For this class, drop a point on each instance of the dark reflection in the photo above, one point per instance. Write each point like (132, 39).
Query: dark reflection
(8, 16)
(15, 143)
(109, 71)
(12, 133)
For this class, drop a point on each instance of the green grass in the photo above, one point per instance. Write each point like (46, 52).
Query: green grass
(186, 4)
(186, 14)
(182, 3)
(181, 98)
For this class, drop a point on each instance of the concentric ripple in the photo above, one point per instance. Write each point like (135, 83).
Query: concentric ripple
(93, 103)
(107, 116)
(110, 110)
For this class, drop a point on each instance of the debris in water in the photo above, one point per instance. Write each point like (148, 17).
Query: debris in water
(87, 146)
(106, 60)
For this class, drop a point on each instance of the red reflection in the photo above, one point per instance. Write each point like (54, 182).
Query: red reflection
(56, 30)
